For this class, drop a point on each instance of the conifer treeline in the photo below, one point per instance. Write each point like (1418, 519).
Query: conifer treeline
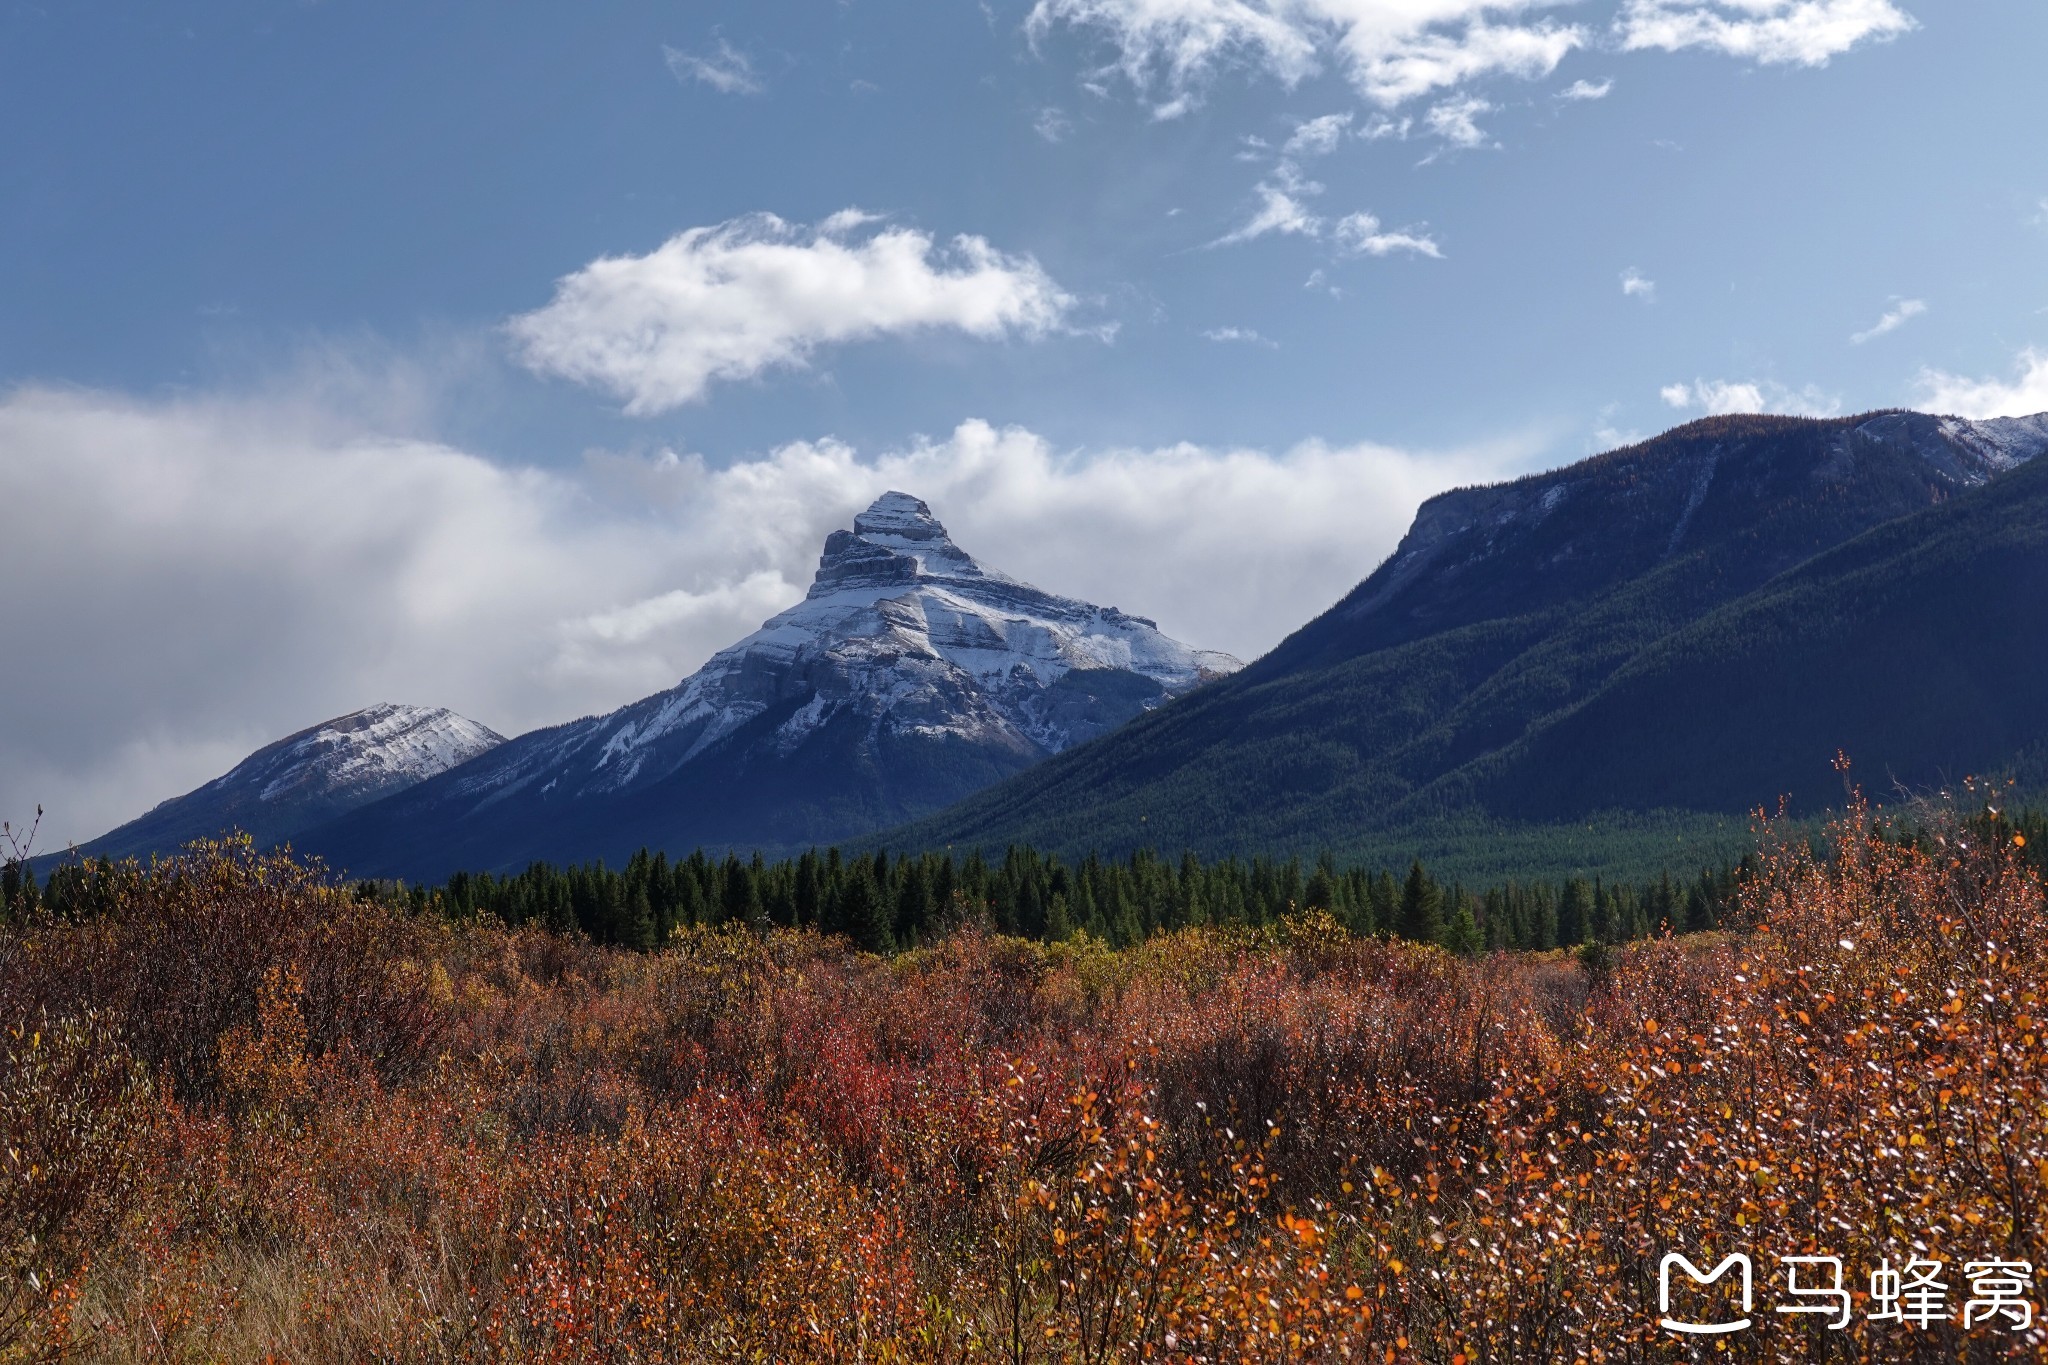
(885, 902)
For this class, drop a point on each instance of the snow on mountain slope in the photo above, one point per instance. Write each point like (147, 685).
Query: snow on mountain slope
(2001, 441)
(312, 776)
(902, 632)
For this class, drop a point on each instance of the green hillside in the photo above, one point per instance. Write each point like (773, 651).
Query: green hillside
(1682, 631)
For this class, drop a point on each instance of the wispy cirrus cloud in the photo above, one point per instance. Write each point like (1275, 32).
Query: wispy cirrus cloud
(1243, 335)
(725, 68)
(1800, 32)
(1586, 90)
(1456, 121)
(1317, 136)
(1895, 317)
(1361, 234)
(1393, 51)
(1283, 211)
(731, 301)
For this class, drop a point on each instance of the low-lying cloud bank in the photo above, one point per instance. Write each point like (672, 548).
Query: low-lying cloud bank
(183, 581)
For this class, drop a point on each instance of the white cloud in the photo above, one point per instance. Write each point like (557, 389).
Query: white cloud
(726, 70)
(1717, 397)
(1960, 396)
(1052, 124)
(1243, 334)
(1803, 32)
(1278, 212)
(1586, 90)
(1455, 121)
(1281, 211)
(1894, 318)
(1361, 233)
(727, 302)
(1318, 136)
(1636, 285)
(1393, 70)
(1393, 50)
(222, 572)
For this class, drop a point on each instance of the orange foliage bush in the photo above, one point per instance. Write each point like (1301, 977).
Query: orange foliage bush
(247, 1116)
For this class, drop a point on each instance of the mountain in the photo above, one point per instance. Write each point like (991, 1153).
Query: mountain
(1687, 626)
(308, 778)
(908, 677)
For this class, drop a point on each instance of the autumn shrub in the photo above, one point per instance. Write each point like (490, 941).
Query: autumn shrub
(178, 957)
(76, 1120)
(263, 1120)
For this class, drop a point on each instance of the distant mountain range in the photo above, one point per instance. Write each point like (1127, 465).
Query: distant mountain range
(908, 677)
(308, 778)
(1694, 624)
(1682, 629)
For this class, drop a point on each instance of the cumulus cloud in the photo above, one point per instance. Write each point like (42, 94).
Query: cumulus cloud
(223, 572)
(1361, 233)
(1896, 317)
(2025, 394)
(1636, 285)
(1716, 397)
(727, 302)
(725, 69)
(1801, 32)
(1586, 90)
(1392, 50)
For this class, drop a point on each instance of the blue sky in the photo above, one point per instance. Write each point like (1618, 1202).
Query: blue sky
(589, 320)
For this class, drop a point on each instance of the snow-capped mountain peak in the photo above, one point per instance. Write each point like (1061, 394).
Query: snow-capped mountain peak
(306, 778)
(903, 646)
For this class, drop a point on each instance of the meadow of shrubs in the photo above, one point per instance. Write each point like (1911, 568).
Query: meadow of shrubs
(247, 1114)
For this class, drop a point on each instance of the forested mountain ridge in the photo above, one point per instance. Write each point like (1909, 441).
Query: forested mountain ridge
(909, 676)
(1502, 611)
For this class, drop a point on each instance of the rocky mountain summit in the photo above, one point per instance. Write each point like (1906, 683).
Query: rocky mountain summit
(907, 677)
(310, 777)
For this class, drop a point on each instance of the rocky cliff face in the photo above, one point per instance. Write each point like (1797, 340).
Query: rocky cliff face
(310, 777)
(908, 676)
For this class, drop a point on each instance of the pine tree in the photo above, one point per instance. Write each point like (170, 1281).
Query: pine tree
(1422, 909)
(1462, 935)
(1574, 913)
(867, 917)
(1059, 924)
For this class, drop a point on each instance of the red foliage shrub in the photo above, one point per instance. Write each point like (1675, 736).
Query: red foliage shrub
(294, 1125)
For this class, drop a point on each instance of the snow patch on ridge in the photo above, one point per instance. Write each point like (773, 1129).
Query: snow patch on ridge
(900, 627)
